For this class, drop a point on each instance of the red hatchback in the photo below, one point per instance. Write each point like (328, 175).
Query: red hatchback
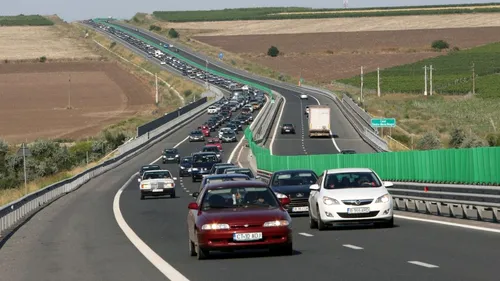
(237, 215)
(205, 130)
(215, 141)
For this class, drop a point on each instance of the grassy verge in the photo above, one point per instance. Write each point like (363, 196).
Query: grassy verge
(273, 13)
(452, 74)
(51, 161)
(24, 20)
(416, 115)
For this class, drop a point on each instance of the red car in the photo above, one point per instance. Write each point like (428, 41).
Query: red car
(205, 130)
(236, 215)
(215, 141)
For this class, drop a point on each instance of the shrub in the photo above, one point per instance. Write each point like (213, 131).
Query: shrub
(429, 141)
(187, 93)
(154, 28)
(473, 141)
(273, 51)
(172, 33)
(457, 137)
(112, 45)
(440, 45)
(42, 59)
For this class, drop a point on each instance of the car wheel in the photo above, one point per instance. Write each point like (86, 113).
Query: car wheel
(172, 195)
(321, 224)
(192, 250)
(388, 224)
(201, 253)
(142, 197)
(312, 223)
(193, 179)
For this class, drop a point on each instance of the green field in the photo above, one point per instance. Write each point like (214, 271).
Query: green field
(452, 74)
(270, 13)
(24, 20)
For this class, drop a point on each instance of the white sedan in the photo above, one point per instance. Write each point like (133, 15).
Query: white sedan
(350, 196)
(303, 97)
(212, 110)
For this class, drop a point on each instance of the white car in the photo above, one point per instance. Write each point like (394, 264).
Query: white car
(157, 183)
(212, 110)
(163, 62)
(303, 97)
(350, 196)
(224, 130)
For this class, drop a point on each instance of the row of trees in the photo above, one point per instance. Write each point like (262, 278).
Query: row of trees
(458, 139)
(51, 157)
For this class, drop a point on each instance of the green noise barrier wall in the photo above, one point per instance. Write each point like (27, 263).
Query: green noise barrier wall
(188, 61)
(454, 166)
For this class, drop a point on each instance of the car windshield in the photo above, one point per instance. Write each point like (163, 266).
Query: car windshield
(247, 172)
(221, 170)
(287, 125)
(150, 168)
(223, 179)
(240, 197)
(211, 149)
(157, 175)
(170, 151)
(206, 158)
(352, 180)
(186, 160)
(196, 133)
(294, 178)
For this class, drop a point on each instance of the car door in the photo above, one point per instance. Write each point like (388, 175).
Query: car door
(314, 197)
(194, 215)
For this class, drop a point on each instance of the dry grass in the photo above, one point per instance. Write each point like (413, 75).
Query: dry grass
(31, 42)
(10, 195)
(392, 10)
(335, 25)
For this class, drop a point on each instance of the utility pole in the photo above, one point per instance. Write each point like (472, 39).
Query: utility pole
(473, 79)
(24, 151)
(430, 81)
(378, 81)
(156, 87)
(69, 91)
(425, 79)
(361, 85)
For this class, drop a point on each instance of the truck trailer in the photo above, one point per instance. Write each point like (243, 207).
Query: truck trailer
(319, 121)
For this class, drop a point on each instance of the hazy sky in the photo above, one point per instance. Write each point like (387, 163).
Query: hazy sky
(71, 10)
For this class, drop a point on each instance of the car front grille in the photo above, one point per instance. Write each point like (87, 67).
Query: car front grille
(244, 226)
(357, 216)
(298, 202)
(358, 202)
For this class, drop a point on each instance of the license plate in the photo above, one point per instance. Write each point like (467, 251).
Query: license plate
(287, 130)
(247, 236)
(300, 209)
(362, 210)
(157, 190)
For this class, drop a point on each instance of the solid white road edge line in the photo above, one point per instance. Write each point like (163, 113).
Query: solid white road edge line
(331, 134)
(428, 265)
(486, 229)
(277, 126)
(354, 247)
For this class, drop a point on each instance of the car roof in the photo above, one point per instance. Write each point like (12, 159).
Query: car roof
(349, 170)
(156, 171)
(225, 176)
(293, 171)
(149, 166)
(239, 169)
(223, 164)
(204, 153)
(235, 184)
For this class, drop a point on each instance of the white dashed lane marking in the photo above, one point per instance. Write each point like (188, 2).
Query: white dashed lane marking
(354, 247)
(423, 264)
(306, 234)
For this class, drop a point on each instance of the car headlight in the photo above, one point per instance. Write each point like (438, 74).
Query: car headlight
(280, 195)
(276, 223)
(383, 199)
(218, 155)
(182, 167)
(194, 169)
(177, 155)
(330, 201)
(215, 226)
(164, 156)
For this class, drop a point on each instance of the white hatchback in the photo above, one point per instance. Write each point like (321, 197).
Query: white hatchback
(355, 195)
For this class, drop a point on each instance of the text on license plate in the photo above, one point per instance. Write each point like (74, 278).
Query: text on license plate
(247, 236)
(157, 190)
(362, 210)
(300, 209)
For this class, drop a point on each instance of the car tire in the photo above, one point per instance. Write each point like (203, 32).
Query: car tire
(193, 179)
(192, 249)
(388, 224)
(321, 224)
(201, 253)
(142, 197)
(312, 223)
(172, 195)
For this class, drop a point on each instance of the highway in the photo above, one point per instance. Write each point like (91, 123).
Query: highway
(77, 238)
(299, 144)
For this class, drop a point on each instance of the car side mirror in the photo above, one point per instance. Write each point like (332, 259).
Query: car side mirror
(139, 180)
(196, 194)
(174, 178)
(257, 177)
(285, 201)
(388, 184)
(193, 206)
(314, 187)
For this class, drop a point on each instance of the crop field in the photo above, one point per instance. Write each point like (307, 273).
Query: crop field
(339, 55)
(22, 20)
(452, 74)
(308, 13)
(34, 99)
(33, 42)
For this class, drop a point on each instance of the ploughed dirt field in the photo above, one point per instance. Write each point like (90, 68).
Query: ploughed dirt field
(34, 99)
(336, 55)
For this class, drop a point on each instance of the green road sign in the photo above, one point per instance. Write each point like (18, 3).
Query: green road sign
(383, 122)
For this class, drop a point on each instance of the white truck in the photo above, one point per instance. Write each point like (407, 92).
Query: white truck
(319, 121)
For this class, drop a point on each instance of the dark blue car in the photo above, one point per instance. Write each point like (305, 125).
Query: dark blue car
(202, 163)
(185, 166)
(294, 184)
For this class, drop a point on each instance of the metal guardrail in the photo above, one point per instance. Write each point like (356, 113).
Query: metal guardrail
(471, 202)
(363, 115)
(263, 129)
(15, 212)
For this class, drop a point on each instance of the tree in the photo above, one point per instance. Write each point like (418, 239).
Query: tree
(457, 137)
(273, 51)
(172, 33)
(439, 45)
(473, 141)
(429, 141)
